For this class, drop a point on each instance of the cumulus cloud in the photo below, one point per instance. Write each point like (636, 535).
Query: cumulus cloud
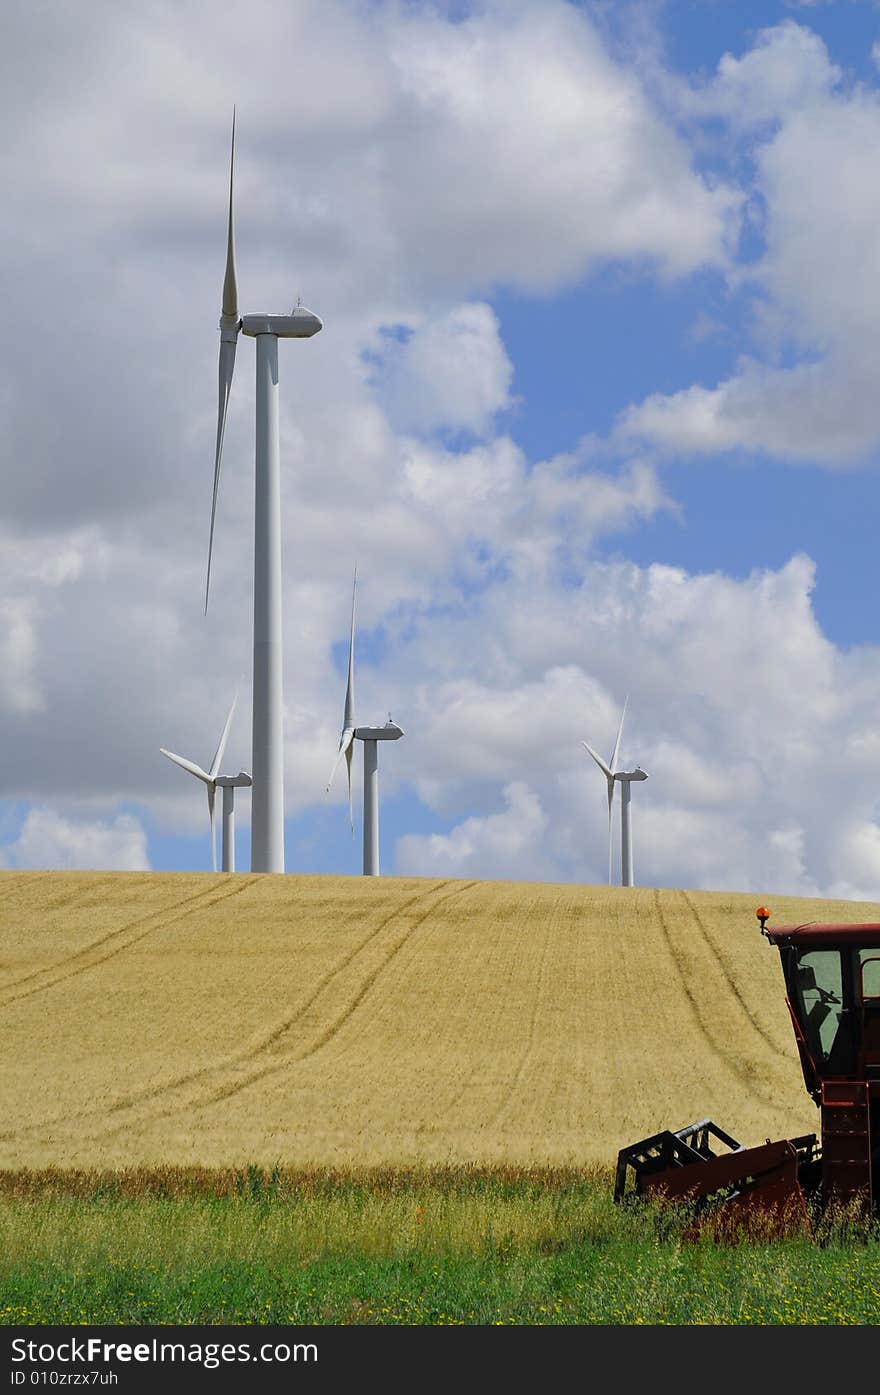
(815, 412)
(806, 395)
(736, 703)
(786, 71)
(452, 372)
(19, 691)
(507, 845)
(49, 840)
(527, 517)
(859, 848)
(524, 120)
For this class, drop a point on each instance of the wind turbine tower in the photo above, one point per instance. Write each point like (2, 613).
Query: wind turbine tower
(267, 804)
(229, 784)
(370, 736)
(624, 778)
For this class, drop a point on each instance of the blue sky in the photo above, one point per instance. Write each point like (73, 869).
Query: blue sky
(593, 409)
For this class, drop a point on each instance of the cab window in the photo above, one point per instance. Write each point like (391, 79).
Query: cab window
(869, 973)
(819, 995)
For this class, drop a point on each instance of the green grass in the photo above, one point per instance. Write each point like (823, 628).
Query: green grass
(435, 1246)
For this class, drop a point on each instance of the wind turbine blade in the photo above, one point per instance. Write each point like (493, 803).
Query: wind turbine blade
(347, 737)
(348, 716)
(599, 761)
(227, 366)
(211, 792)
(229, 323)
(345, 741)
(609, 778)
(218, 754)
(187, 765)
(230, 289)
(613, 761)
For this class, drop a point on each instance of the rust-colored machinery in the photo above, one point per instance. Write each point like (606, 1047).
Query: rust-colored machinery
(832, 980)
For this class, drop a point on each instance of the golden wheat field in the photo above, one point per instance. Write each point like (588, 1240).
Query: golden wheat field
(151, 1018)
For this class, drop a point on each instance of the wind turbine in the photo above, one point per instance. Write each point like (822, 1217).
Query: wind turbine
(624, 778)
(228, 783)
(267, 809)
(370, 736)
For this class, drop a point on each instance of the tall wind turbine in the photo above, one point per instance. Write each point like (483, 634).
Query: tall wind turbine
(228, 783)
(370, 736)
(624, 778)
(267, 809)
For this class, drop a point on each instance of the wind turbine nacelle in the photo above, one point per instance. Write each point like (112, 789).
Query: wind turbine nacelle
(242, 779)
(390, 732)
(299, 324)
(630, 775)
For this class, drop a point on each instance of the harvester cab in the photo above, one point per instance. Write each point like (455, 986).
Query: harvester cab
(832, 980)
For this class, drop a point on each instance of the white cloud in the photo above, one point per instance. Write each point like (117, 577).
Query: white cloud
(786, 71)
(508, 845)
(32, 568)
(817, 412)
(524, 123)
(747, 720)
(52, 841)
(451, 372)
(502, 724)
(808, 395)
(695, 779)
(527, 517)
(19, 690)
(410, 152)
(705, 849)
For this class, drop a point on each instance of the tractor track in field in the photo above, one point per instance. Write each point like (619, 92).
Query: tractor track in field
(726, 1057)
(528, 1050)
(168, 915)
(58, 903)
(239, 1060)
(335, 1027)
(288, 1022)
(68, 899)
(729, 979)
(464, 1085)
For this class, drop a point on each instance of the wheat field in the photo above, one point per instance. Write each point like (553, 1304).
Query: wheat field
(222, 1020)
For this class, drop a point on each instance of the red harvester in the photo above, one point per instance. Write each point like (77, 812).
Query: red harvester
(832, 980)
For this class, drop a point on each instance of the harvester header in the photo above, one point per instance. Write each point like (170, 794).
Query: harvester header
(832, 980)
